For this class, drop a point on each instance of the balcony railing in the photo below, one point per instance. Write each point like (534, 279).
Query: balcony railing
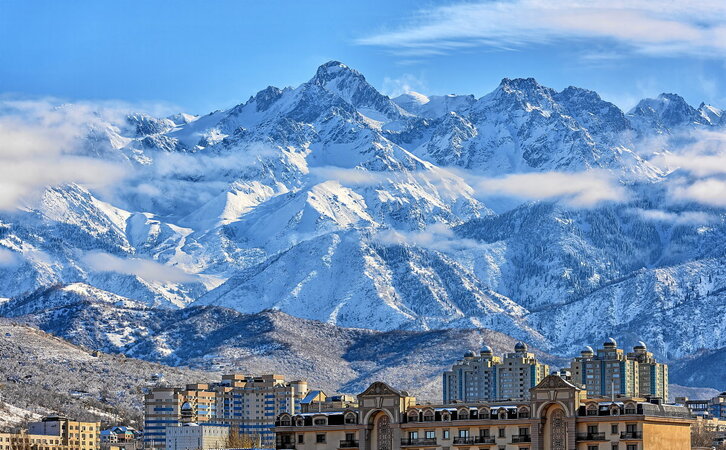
(285, 446)
(419, 441)
(590, 437)
(471, 440)
(520, 438)
(348, 443)
(631, 435)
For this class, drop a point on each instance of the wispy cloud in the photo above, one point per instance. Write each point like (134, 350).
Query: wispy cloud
(355, 177)
(8, 258)
(709, 191)
(142, 268)
(701, 165)
(435, 237)
(581, 189)
(39, 148)
(404, 84)
(662, 28)
(677, 218)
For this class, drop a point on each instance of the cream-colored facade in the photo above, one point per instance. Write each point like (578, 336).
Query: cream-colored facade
(54, 433)
(558, 416)
(249, 403)
(485, 377)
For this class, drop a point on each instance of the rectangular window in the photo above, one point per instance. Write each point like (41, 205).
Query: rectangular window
(463, 433)
(592, 447)
(349, 437)
(430, 435)
(614, 447)
(300, 438)
(446, 434)
(413, 435)
(484, 432)
(631, 428)
(614, 428)
(591, 429)
(501, 433)
(632, 446)
(320, 438)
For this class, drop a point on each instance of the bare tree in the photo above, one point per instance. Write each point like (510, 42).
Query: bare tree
(702, 435)
(237, 440)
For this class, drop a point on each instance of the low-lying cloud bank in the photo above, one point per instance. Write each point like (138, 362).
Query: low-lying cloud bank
(142, 268)
(39, 148)
(580, 189)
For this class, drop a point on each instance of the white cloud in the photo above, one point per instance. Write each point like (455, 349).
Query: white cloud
(436, 237)
(682, 218)
(393, 87)
(355, 177)
(143, 268)
(663, 28)
(582, 189)
(8, 258)
(709, 191)
(37, 149)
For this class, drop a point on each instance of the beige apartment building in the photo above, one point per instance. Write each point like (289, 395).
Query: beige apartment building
(54, 433)
(610, 371)
(485, 377)
(558, 416)
(249, 403)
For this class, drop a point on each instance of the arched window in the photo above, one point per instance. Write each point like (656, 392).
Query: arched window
(484, 413)
(285, 420)
(523, 413)
(428, 416)
(592, 409)
(462, 414)
(413, 415)
(614, 410)
(630, 408)
(351, 418)
(320, 421)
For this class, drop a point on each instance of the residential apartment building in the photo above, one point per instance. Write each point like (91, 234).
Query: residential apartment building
(557, 416)
(73, 435)
(249, 403)
(54, 433)
(24, 440)
(652, 375)
(485, 377)
(610, 371)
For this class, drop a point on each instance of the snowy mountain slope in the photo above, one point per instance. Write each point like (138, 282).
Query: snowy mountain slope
(334, 358)
(43, 374)
(332, 202)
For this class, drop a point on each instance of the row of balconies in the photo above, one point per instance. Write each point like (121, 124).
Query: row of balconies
(625, 435)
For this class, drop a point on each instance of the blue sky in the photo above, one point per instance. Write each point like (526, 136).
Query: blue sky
(205, 55)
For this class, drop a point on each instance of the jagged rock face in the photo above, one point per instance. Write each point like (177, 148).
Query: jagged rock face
(330, 201)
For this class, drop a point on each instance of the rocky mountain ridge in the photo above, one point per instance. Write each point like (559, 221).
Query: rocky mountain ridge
(335, 203)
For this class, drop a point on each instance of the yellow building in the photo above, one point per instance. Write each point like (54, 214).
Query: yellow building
(54, 433)
(558, 416)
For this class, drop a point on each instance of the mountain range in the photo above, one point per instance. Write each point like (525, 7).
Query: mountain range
(551, 217)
